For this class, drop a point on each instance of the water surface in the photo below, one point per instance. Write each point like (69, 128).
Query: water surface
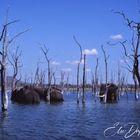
(68, 121)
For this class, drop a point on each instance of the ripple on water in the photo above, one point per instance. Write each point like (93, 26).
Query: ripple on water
(66, 121)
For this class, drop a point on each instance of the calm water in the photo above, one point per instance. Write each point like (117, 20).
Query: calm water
(69, 121)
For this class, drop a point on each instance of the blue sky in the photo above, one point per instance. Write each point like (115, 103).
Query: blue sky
(54, 22)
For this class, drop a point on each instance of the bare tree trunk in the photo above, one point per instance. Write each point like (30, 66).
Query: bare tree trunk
(62, 80)
(16, 65)
(45, 51)
(78, 87)
(67, 83)
(54, 78)
(101, 78)
(93, 83)
(36, 77)
(106, 71)
(119, 80)
(135, 86)
(78, 68)
(135, 44)
(4, 96)
(84, 76)
(96, 76)
(3, 62)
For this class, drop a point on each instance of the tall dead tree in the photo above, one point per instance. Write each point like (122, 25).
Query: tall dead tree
(106, 69)
(67, 81)
(78, 68)
(119, 80)
(54, 78)
(26, 79)
(62, 82)
(123, 82)
(106, 64)
(36, 77)
(45, 52)
(6, 41)
(16, 64)
(39, 78)
(92, 82)
(42, 77)
(133, 66)
(134, 55)
(84, 79)
(101, 78)
(112, 77)
(96, 75)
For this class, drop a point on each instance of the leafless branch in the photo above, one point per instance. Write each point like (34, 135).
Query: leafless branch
(5, 26)
(17, 35)
(14, 61)
(130, 23)
(106, 57)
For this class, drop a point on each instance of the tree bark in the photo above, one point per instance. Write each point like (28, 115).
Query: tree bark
(84, 78)
(4, 96)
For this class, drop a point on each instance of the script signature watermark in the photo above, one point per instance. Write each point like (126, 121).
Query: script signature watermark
(127, 130)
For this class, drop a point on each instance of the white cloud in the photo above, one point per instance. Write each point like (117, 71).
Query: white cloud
(66, 69)
(116, 37)
(90, 52)
(55, 63)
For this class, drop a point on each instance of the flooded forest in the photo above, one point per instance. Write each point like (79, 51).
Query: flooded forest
(74, 103)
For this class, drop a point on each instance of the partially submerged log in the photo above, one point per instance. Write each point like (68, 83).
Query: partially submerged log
(110, 92)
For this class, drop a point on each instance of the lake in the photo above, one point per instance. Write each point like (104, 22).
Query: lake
(69, 121)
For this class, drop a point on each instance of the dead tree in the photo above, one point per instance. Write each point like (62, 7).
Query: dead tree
(122, 82)
(106, 68)
(78, 68)
(36, 77)
(134, 55)
(101, 78)
(39, 78)
(5, 42)
(54, 78)
(119, 80)
(67, 81)
(133, 66)
(106, 64)
(16, 64)
(31, 78)
(26, 79)
(62, 82)
(112, 77)
(84, 79)
(45, 52)
(96, 76)
(93, 82)
(119, 75)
